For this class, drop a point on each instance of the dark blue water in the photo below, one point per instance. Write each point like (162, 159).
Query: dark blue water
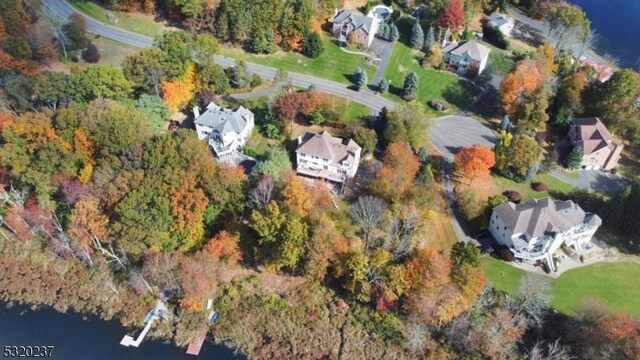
(618, 23)
(86, 337)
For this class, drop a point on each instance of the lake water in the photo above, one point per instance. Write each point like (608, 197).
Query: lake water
(87, 337)
(618, 24)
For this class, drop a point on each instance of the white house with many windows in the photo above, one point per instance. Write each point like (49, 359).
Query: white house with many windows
(324, 156)
(466, 56)
(226, 130)
(536, 229)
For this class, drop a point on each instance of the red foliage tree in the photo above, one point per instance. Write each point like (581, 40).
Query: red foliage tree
(475, 161)
(452, 15)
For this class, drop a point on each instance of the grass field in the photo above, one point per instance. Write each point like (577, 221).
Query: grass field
(501, 61)
(112, 52)
(433, 84)
(333, 64)
(354, 112)
(136, 22)
(614, 284)
(525, 188)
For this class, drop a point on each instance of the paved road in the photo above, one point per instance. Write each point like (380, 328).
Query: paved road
(375, 102)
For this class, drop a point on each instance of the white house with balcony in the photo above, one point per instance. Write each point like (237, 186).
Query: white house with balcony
(324, 156)
(226, 130)
(536, 229)
(466, 56)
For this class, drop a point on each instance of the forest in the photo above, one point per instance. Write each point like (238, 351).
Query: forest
(104, 211)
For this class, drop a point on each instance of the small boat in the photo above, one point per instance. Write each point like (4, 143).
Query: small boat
(148, 316)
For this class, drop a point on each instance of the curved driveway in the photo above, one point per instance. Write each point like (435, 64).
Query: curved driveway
(63, 9)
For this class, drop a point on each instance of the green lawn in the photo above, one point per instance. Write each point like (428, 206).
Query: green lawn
(501, 61)
(525, 188)
(434, 84)
(333, 64)
(614, 284)
(354, 112)
(136, 22)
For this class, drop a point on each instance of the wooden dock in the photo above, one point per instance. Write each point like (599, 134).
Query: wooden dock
(195, 347)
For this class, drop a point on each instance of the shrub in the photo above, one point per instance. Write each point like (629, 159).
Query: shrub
(538, 186)
(505, 254)
(256, 81)
(91, 54)
(513, 196)
(493, 35)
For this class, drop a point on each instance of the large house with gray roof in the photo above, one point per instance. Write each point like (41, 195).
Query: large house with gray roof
(324, 156)
(359, 27)
(599, 150)
(536, 229)
(466, 56)
(225, 130)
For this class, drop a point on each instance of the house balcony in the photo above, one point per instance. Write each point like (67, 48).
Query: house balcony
(321, 173)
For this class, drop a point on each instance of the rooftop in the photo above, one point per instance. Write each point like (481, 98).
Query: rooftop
(593, 134)
(359, 20)
(539, 217)
(475, 50)
(224, 120)
(325, 146)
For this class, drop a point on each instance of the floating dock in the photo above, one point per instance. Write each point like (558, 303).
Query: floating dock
(195, 347)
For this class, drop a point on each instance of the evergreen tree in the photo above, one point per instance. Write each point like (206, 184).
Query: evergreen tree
(411, 85)
(360, 78)
(263, 42)
(394, 33)
(312, 45)
(240, 77)
(383, 86)
(416, 39)
(383, 31)
(574, 159)
(423, 155)
(430, 39)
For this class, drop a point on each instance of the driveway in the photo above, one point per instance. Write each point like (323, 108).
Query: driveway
(594, 180)
(63, 9)
(450, 133)
(383, 49)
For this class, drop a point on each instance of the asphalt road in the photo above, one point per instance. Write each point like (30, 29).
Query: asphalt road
(365, 97)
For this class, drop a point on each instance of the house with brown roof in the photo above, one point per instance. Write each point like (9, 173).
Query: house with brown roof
(600, 150)
(466, 55)
(536, 229)
(324, 156)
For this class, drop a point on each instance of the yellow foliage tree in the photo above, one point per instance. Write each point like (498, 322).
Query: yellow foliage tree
(296, 196)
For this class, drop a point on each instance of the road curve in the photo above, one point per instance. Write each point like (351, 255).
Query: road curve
(63, 9)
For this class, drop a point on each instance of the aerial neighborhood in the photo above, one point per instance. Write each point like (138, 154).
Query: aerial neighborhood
(321, 179)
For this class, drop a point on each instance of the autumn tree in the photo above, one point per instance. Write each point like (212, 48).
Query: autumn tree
(224, 245)
(452, 16)
(475, 161)
(525, 79)
(188, 204)
(404, 124)
(400, 166)
(178, 93)
(295, 195)
(516, 155)
(366, 138)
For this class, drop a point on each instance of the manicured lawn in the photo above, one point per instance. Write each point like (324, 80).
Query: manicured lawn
(333, 64)
(112, 52)
(614, 284)
(525, 188)
(434, 84)
(354, 112)
(501, 61)
(136, 22)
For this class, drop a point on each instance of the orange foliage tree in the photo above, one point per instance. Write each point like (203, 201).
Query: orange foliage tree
(296, 196)
(525, 79)
(188, 204)
(475, 161)
(396, 176)
(179, 92)
(224, 245)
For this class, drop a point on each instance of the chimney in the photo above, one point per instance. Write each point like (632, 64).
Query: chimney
(196, 112)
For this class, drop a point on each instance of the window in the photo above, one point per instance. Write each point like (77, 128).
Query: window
(505, 228)
(326, 167)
